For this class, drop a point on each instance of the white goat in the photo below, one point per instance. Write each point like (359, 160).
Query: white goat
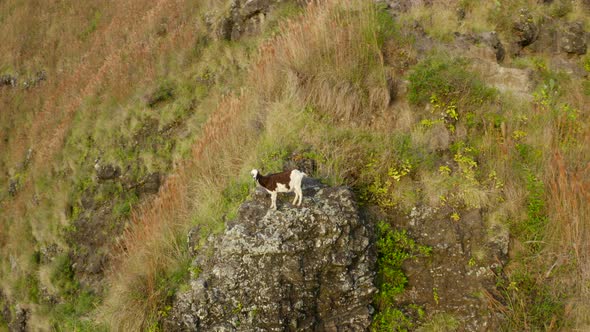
(284, 182)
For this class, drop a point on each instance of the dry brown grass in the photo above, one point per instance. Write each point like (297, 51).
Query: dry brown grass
(122, 52)
(334, 64)
(569, 232)
(155, 244)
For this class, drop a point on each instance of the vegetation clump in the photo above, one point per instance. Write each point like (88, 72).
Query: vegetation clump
(393, 248)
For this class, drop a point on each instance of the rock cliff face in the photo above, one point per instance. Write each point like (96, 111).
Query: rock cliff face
(244, 16)
(307, 268)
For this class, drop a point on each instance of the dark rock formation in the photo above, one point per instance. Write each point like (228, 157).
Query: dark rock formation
(107, 171)
(302, 161)
(489, 39)
(403, 6)
(461, 13)
(13, 186)
(158, 94)
(39, 77)
(150, 184)
(466, 254)
(243, 17)
(14, 315)
(295, 269)
(12, 81)
(8, 80)
(573, 39)
(19, 323)
(15, 182)
(525, 29)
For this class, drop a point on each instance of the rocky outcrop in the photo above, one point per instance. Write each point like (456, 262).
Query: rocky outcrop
(403, 6)
(573, 39)
(150, 184)
(15, 182)
(14, 315)
(107, 171)
(466, 255)
(300, 161)
(39, 77)
(21, 316)
(515, 81)
(525, 29)
(8, 80)
(13, 186)
(489, 40)
(297, 269)
(243, 17)
(13, 81)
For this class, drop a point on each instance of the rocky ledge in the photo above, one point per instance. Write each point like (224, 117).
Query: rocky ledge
(302, 268)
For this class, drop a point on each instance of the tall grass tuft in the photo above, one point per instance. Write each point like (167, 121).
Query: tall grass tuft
(334, 64)
(569, 231)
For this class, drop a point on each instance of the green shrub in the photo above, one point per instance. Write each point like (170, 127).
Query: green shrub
(393, 248)
(63, 276)
(27, 287)
(123, 206)
(168, 282)
(233, 195)
(449, 80)
(391, 319)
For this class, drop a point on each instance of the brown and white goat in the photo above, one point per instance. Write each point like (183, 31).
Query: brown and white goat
(284, 182)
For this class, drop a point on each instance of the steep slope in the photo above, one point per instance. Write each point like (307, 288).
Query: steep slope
(462, 128)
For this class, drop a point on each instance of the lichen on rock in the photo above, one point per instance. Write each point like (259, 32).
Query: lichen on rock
(298, 268)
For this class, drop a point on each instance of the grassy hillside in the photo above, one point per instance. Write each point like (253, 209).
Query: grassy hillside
(392, 106)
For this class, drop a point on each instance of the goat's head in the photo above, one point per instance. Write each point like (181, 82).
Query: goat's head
(254, 173)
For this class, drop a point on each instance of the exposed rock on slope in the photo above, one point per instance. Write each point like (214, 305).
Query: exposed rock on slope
(525, 29)
(466, 256)
(574, 39)
(243, 17)
(304, 269)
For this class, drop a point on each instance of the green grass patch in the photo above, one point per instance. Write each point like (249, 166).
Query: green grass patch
(72, 315)
(448, 80)
(393, 248)
(532, 229)
(92, 25)
(168, 282)
(162, 92)
(63, 276)
(440, 322)
(123, 206)
(234, 195)
(532, 303)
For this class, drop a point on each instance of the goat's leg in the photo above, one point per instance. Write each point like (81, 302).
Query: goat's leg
(298, 194)
(273, 200)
